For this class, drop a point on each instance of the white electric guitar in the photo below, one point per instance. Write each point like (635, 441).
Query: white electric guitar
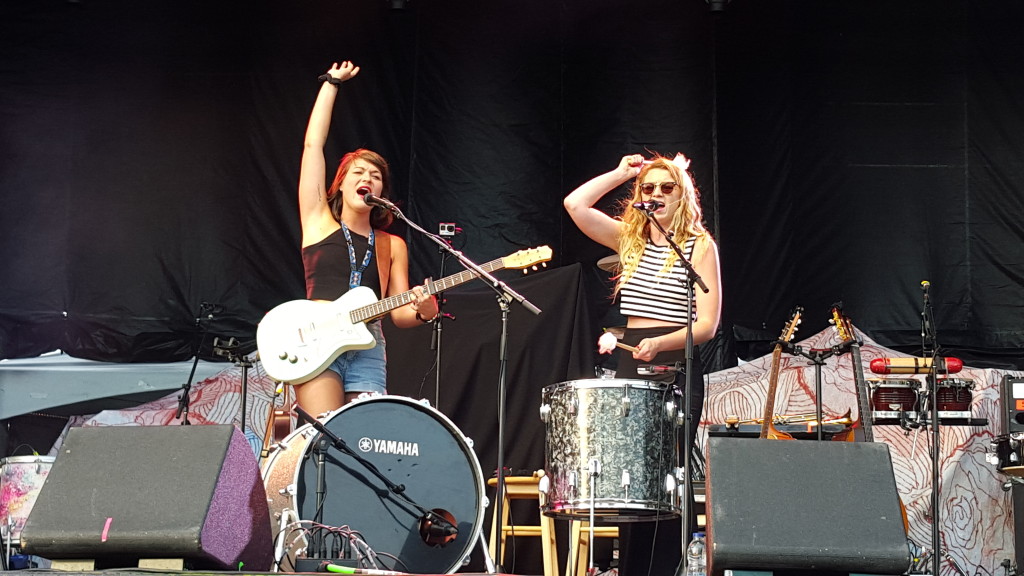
(298, 339)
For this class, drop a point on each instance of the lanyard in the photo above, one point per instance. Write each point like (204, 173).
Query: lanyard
(356, 274)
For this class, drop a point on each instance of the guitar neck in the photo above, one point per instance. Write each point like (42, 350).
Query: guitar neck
(382, 307)
(862, 393)
(773, 382)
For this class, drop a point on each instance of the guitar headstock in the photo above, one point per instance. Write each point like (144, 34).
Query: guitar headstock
(791, 326)
(842, 324)
(527, 258)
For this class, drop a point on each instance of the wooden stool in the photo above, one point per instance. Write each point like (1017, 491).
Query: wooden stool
(525, 488)
(579, 545)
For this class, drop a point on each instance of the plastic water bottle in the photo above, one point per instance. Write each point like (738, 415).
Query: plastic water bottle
(696, 556)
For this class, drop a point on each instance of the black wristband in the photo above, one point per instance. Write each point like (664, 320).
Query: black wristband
(329, 78)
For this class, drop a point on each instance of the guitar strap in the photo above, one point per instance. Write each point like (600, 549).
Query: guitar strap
(382, 250)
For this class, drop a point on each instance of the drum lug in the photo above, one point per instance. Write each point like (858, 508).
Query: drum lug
(288, 490)
(670, 484)
(545, 412)
(625, 406)
(672, 413)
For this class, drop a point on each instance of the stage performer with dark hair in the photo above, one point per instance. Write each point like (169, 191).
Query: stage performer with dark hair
(344, 246)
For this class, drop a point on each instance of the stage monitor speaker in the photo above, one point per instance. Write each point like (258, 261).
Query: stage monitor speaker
(803, 507)
(119, 493)
(1013, 401)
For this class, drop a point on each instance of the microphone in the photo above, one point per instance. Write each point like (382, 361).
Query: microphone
(437, 528)
(649, 206)
(372, 200)
(651, 369)
(948, 365)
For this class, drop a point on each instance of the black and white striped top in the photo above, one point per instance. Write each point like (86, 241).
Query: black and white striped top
(651, 293)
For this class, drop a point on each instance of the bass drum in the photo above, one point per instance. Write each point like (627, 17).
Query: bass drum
(410, 444)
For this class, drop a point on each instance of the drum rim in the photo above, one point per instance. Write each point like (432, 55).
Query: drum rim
(27, 460)
(898, 384)
(609, 383)
(956, 383)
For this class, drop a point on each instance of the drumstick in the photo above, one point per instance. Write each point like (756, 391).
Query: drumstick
(626, 347)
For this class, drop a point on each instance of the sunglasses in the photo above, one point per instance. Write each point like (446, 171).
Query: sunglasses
(666, 187)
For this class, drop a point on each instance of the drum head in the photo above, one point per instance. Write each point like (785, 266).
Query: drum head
(411, 445)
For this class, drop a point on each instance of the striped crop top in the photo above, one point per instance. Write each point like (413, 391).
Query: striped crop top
(651, 293)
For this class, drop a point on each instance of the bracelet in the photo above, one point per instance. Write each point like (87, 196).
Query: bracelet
(425, 320)
(329, 78)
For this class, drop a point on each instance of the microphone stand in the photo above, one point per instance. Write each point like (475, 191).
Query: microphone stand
(183, 400)
(505, 295)
(436, 332)
(692, 278)
(930, 348)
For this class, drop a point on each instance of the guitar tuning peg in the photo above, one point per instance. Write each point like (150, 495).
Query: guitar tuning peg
(535, 268)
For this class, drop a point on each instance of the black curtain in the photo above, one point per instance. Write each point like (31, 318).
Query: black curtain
(150, 153)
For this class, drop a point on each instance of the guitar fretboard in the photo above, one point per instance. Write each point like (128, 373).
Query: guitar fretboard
(382, 307)
(863, 403)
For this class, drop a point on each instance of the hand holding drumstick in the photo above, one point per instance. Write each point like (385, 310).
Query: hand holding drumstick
(609, 341)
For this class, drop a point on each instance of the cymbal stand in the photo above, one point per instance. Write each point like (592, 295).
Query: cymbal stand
(505, 295)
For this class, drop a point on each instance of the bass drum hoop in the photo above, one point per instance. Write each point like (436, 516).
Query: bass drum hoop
(286, 482)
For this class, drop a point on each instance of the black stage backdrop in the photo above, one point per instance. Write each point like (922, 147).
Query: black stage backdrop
(149, 153)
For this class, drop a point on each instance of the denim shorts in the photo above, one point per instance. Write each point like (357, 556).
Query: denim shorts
(364, 370)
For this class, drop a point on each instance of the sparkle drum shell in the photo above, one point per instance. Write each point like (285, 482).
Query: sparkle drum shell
(411, 444)
(629, 429)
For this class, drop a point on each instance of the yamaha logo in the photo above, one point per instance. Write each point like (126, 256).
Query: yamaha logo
(380, 446)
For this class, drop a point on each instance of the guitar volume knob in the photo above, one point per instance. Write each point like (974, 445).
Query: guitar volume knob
(283, 355)
(293, 359)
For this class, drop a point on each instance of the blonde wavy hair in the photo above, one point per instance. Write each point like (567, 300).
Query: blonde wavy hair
(687, 222)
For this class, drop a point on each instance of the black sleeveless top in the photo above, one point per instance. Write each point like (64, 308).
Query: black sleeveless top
(327, 267)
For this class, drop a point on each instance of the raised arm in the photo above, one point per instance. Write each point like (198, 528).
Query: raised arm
(597, 225)
(314, 212)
